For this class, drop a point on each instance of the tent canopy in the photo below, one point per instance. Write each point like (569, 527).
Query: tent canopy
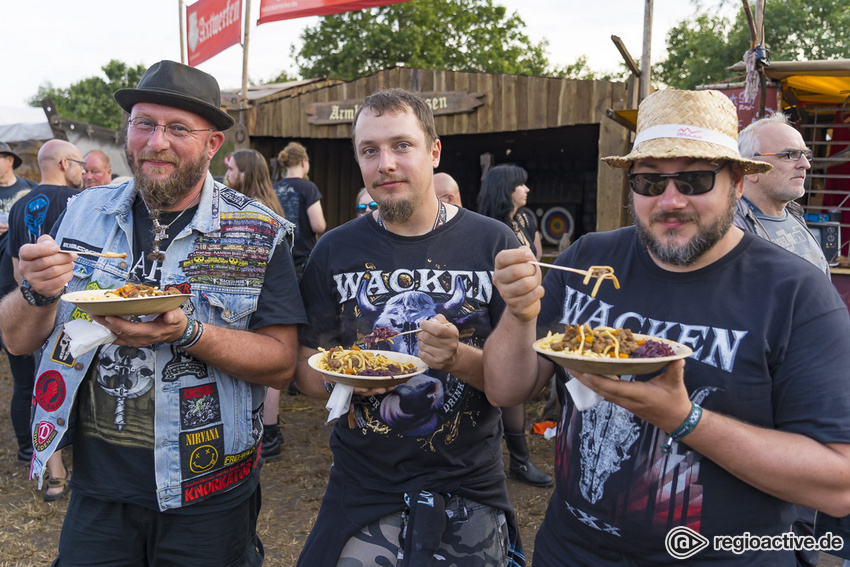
(819, 82)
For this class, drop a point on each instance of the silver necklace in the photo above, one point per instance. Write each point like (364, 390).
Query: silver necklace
(159, 231)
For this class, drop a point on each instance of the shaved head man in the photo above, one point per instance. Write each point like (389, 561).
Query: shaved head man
(447, 189)
(61, 163)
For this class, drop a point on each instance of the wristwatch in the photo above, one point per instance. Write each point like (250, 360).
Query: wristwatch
(35, 298)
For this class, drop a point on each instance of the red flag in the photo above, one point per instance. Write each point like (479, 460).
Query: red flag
(273, 10)
(212, 26)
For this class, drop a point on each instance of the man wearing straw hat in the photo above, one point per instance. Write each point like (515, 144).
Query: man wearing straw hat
(165, 419)
(702, 461)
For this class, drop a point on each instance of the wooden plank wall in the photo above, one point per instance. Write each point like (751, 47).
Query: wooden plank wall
(511, 102)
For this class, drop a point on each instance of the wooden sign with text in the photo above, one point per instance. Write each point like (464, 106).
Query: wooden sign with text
(342, 111)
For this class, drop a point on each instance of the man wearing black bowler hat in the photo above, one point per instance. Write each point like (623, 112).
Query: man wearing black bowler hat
(166, 417)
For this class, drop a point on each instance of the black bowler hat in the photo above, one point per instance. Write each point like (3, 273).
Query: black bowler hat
(16, 159)
(173, 84)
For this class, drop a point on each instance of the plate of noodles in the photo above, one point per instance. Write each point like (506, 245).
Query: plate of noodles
(129, 300)
(609, 351)
(366, 368)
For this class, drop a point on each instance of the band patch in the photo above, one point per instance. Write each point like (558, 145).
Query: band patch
(202, 488)
(50, 390)
(182, 364)
(79, 246)
(199, 406)
(62, 351)
(200, 451)
(44, 435)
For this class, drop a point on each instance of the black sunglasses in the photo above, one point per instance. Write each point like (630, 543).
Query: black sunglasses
(687, 182)
(361, 208)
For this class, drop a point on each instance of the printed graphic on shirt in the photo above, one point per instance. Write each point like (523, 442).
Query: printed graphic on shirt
(182, 364)
(201, 450)
(600, 442)
(34, 215)
(50, 390)
(199, 406)
(401, 300)
(236, 258)
(62, 351)
(44, 435)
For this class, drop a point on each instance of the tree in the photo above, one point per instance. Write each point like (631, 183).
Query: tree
(581, 70)
(455, 35)
(700, 49)
(90, 100)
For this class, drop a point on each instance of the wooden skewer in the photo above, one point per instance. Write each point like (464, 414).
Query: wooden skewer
(598, 272)
(100, 254)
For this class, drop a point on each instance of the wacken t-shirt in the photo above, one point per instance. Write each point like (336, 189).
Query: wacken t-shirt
(434, 431)
(764, 325)
(114, 439)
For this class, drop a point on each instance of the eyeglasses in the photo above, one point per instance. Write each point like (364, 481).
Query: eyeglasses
(793, 155)
(146, 127)
(361, 208)
(82, 163)
(687, 182)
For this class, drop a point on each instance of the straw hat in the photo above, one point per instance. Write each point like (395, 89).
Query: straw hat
(691, 124)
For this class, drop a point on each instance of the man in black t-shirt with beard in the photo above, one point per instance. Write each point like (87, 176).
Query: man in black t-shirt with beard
(417, 468)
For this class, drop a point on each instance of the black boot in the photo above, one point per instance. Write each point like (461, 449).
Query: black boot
(25, 450)
(272, 448)
(521, 466)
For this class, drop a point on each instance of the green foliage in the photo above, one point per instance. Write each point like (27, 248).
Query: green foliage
(90, 100)
(581, 70)
(455, 35)
(699, 50)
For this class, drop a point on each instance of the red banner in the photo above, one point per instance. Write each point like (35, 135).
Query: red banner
(212, 26)
(273, 10)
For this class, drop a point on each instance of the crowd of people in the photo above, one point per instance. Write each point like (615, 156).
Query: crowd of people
(171, 418)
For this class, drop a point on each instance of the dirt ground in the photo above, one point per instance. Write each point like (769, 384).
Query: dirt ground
(292, 488)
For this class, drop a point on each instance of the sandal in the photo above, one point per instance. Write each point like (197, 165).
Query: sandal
(57, 483)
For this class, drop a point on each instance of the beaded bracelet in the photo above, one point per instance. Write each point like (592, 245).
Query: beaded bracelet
(196, 338)
(687, 426)
(188, 332)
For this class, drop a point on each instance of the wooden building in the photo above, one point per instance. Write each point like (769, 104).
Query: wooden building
(556, 129)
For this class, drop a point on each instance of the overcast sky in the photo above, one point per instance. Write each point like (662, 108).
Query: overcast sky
(62, 42)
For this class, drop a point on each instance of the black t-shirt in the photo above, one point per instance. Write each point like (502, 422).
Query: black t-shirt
(434, 432)
(295, 196)
(765, 328)
(35, 213)
(113, 444)
(8, 195)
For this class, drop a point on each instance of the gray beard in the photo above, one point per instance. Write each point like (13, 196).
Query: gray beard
(690, 252)
(165, 193)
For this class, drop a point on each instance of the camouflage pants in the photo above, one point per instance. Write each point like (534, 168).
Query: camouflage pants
(475, 535)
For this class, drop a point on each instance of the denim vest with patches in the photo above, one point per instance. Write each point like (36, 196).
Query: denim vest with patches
(207, 424)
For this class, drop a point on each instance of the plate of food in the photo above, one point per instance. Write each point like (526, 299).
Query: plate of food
(609, 351)
(366, 368)
(129, 300)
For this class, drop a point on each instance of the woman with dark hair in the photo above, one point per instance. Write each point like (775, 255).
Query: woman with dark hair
(503, 193)
(248, 173)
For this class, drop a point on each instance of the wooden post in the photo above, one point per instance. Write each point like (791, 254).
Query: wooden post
(243, 101)
(646, 58)
(182, 39)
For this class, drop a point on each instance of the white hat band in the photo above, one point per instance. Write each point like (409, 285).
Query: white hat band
(686, 132)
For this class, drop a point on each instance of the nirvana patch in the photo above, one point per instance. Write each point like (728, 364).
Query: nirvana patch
(44, 435)
(199, 406)
(202, 488)
(50, 390)
(182, 364)
(62, 351)
(201, 451)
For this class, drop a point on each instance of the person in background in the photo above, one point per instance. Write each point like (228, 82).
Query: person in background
(503, 192)
(11, 188)
(248, 173)
(768, 207)
(31, 217)
(365, 203)
(721, 443)
(301, 200)
(417, 469)
(98, 169)
(167, 418)
(447, 189)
